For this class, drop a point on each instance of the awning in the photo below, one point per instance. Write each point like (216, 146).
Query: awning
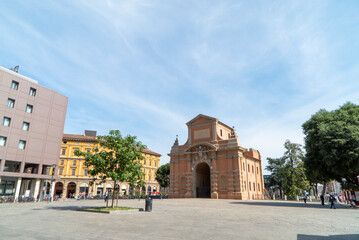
(84, 185)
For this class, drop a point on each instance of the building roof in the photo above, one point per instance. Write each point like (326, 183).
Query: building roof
(82, 138)
(209, 118)
(18, 75)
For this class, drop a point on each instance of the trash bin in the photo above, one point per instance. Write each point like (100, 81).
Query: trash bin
(148, 206)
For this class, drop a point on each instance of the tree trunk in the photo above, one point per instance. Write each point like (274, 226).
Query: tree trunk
(316, 191)
(324, 188)
(113, 194)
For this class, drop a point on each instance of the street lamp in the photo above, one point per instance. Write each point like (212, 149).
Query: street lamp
(52, 182)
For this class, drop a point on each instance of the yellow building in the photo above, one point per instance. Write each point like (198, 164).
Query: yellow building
(73, 174)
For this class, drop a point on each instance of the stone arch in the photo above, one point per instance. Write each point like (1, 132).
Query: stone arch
(124, 189)
(59, 188)
(84, 189)
(195, 146)
(71, 189)
(202, 180)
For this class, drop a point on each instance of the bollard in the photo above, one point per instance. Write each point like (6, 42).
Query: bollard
(148, 206)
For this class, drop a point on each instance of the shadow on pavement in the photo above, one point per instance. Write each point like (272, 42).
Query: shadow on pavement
(291, 204)
(63, 208)
(330, 237)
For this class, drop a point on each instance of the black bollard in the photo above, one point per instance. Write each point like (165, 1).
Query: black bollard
(148, 206)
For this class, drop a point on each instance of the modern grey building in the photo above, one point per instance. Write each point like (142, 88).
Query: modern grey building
(32, 121)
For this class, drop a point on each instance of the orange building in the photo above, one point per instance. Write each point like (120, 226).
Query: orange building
(74, 178)
(213, 164)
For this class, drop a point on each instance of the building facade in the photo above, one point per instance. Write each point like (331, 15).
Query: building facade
(213, 164)
(32, 122)
(74, 178)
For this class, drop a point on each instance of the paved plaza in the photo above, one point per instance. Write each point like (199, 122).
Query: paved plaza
(180, 219)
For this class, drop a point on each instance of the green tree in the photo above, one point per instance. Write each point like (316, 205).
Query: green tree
(288, 171)
(116, 158)
(276, 167)
(332, 146)
(163, 175)
(295, 178)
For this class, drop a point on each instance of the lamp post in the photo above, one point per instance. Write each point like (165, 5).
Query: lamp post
(52, 182)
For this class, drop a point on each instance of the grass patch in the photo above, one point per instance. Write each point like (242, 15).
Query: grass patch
(110, 209)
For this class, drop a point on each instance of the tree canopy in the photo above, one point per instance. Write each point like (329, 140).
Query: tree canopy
(163, 175)
(116, 158)
(332, 145)
(288, 172)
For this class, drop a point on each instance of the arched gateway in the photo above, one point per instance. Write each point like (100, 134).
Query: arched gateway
(213, 164)
(203, 181)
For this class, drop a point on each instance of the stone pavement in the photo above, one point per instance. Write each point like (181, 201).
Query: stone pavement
(180, 219)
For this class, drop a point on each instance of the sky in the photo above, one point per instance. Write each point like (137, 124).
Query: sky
(146, 68)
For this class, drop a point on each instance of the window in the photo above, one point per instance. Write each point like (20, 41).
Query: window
(257, 170)
(73, 171)
(248, 169)
(76, 143)
(32, 92)
(144, 162)
(22, 144)
(150, 162)
(220, 132)
(25, 126)
(63, 151)
(259, 187)
(61, 170)
(62, 162)
(2, 141)
(6, 122)
(88, 144)
(10, 103)
(29, 108)
(74, 162)
(254, 186)
(88, 150)
(7, 187)
(149, 178)
(252, 169)
(249, 186)
(15, 85)
(223, 183)
(85, 171)
(245, 185)
(155, 163)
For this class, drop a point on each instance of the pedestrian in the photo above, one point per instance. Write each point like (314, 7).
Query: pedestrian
(331, 200)
(322, 199)
(305, 198)
(106, 194)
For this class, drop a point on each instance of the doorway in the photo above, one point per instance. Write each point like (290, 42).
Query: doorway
(203, 181)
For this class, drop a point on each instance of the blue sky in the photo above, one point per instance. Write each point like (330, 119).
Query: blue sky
(148, 67)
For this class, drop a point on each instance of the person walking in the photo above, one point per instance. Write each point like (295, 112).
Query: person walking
(106, 195)
(305, 198)
(322, 199)
(331, 200)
